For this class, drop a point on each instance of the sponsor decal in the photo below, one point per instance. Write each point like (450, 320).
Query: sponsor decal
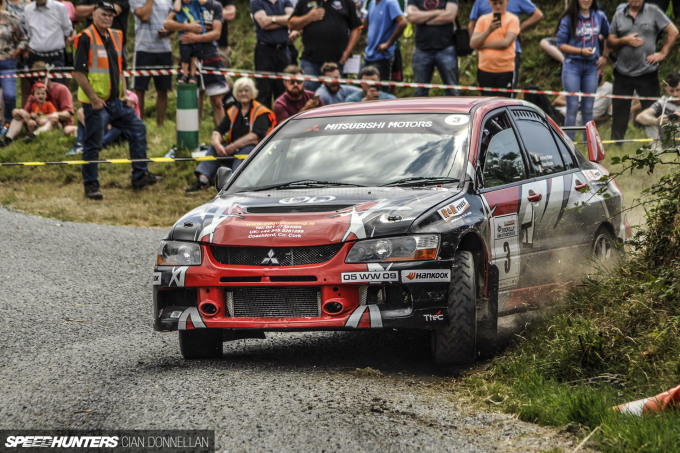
(453, 210)
(157, 278)
(434, 317)
(592, 175)
(376, 276)
(456, 120)
(506, 229)
(426, 275)
(278, 229)
(296, 200)
(337, 4)
(378, 125)
(314, 128)
(62, 441)
(176, 314)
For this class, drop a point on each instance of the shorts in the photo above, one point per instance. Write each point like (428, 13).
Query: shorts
(214, 83)
(189, 51)
(148, 59)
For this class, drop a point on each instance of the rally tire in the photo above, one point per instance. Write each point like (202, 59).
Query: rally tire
(456, 343)
(604, 250)
(200, 344)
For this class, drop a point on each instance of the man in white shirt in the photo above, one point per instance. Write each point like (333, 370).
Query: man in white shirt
(663, 111)
(49, 31)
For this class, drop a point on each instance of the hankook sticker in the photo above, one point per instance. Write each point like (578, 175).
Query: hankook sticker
(426, 275)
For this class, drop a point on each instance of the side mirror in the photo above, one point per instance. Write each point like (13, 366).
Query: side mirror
(223, 177)
(595, 146)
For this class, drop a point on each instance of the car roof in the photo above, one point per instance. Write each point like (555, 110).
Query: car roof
(443, 104)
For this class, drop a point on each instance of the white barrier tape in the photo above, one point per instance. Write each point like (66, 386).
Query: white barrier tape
(164, 70)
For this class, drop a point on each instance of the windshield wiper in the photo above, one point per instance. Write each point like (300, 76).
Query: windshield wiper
(421, 181)
(305, 183)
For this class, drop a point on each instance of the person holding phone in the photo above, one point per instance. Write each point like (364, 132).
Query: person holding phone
(296, 99)
(369, 92)
(494, 40)
(578, 31)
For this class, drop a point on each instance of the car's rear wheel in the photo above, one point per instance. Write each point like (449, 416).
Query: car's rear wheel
(200, 343)
(456, 343)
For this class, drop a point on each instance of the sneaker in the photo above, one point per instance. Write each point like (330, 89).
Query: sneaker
(172, 152)
(29, 138)
(147, 180)
(198, 186)
(4, 129)
(78, 149)
(92, 191)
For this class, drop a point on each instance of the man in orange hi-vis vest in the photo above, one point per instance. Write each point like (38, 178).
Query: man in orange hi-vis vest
(98, 69)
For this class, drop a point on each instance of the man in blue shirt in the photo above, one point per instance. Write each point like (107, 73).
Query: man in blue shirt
(369, 92)
(517, 7)
(384, 22)
(271, 51)
(333, 92)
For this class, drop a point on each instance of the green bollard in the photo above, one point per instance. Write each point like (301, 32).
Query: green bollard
(187, 116)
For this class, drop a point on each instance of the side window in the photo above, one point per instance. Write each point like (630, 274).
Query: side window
(544, 156)
(564, 152)
(503, 162)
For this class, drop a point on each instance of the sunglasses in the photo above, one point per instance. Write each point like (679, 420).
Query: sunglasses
(295, 82)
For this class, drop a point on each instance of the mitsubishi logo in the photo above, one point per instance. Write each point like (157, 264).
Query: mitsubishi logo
(270, 259)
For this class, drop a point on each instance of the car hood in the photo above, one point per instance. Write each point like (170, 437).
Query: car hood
(308, 216)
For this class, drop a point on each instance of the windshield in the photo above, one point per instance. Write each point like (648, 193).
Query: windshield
(360, 151)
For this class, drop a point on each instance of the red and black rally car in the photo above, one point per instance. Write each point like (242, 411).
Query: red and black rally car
(423, 213)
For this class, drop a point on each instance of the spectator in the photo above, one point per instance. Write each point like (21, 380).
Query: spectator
(369, 92)
(84, 10)
(49, 31)
(59, 95)
(245, 124)
(549, 46)
(333, 92)
(271, 51)
(228, 15)
(385, 23)
(112, 134)
(435, 46)
(189, 12)
(101, 87)
(664, 110)
(633, 32)
(519, 8)
(12, 44)
(152, 48)
(40, 113)
(214, 85)
(296, 98)
(331, 29)
(577, 37)
(16, 8)
(494, 39)
(602, 105)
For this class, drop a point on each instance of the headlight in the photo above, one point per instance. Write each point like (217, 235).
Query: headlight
(177, 253)
(405, 248)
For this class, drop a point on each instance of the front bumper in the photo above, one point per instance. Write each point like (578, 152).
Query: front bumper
(328, 296)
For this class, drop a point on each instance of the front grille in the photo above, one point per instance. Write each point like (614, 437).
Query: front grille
(275, 256)
(274, 302)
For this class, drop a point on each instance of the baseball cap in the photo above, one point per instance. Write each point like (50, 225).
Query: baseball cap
(108, 6)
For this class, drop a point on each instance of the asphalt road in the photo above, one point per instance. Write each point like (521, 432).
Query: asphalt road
(78, 352)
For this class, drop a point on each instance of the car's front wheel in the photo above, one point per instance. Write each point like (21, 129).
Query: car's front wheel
(456, 343)
(200, 343)
(605, 250)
